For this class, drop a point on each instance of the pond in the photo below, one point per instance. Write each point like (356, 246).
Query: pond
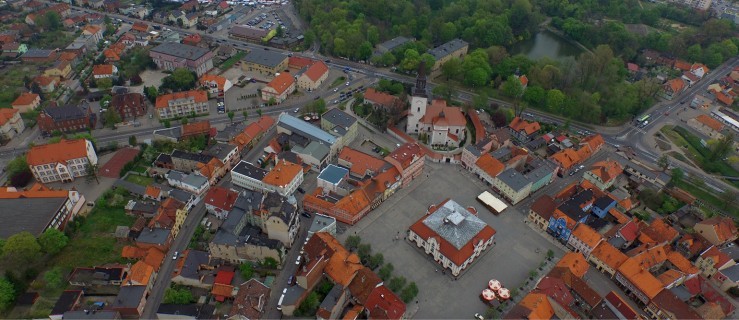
(546, 44)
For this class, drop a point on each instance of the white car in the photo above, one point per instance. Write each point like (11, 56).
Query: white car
(347, 83)
(297, 262)
(174, 256)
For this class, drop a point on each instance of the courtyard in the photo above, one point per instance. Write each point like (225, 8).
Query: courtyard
(518, 248)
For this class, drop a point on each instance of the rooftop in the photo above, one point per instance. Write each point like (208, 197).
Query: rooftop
(447, 48)
(306, 129)
(250, 170)
(264, 57)
(282, 174)
(333, 174)
(59, 152)
(514, 179)
(339, 118)
(180, 50)
(393, 43)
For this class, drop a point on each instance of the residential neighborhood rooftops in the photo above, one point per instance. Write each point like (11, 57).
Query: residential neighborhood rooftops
(575, 262)
(128, 297)
(180, 50)
(587, 235)
(25, 98)
(609, 255)
(156, 236)
(360, 161)
(544, 206)
(316, 71)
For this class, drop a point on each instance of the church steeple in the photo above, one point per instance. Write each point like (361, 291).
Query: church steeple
(420, 89)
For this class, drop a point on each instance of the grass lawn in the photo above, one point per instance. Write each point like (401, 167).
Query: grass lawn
(139, 169)
(51, 40)
(707, 197)
(337, 82)
(231, 61)
(678, 156)
(12, 80)
(140, 180)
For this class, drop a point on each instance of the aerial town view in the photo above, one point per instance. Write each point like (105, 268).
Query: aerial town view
(369, 159)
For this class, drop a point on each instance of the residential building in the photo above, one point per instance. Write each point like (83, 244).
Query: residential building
(315, 146)
(187, 161)
(47, 84)
(523, 130)
(713, 260)
(96, 32)
(487, 168)
(191, 182)
(472, 152)
(453, 235)
(227, 154)
(219, 201)
(584, 239)
(235, 241)
(384, 304)
(26, 102)
(39, 55)
(66, 119)
(194, 269)
(284, 178)
(170, 56)
(360, 164)
(181, 104)
(603, 173)
(130, 301)
(279, 88)
(340, 124)
(707, 126)
(62, 161)
(250, 301)
(60, 69)
(717, 230)
(330, 180)
(512, 185)
(264, 62)
(349, 209)
(194, 129)
(392, 44)
(607, 258)
(247, 33)
(11, 123)
(37, 209)
(408, 159)
(382, 100)
(217, 85)
(322, 223)
(101, 71)
(160, 238)
(129, 105)
(571, 212)
(673, 88)
(69, 300)
(456, 48)
(727, 278)
(541, 210)
(666, 305)
(313, 77)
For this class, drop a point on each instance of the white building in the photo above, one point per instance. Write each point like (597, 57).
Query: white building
(62, 161)
(193, 183)
(284, 178)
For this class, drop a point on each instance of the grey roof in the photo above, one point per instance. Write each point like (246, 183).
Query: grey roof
(249, 170)
(181, 195)
(193, 261)
(514, 179)
(447, 48)
(229, 132)
(541, 170)
(195, 180)
(180, 50)
(501, 153)
(732, 251)
(68, 112)
(173, 133)
(333, 173)
(305, 129)
(332, 298)
(732, 273)
(66, 302)
(37, 53)
(473, 150)
(220, 150)
(129, 297)
(248, 32)
(193, 310)
(391, 44)
(289, 156)
(320, 222)
(157, 236)
(572, 207)
(339, 118)
(314, 149)
(92, 314)
(27, 214)
(130, 186)
(203, 158)
(454, 223)
(265, 57)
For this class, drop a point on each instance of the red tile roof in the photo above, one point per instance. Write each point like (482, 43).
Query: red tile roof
(59, 152)
(281, 82)
(629, 231)
(24, 99)
(198, 95)
(607, 170)
(670, 303)
(544, 206)
(609, 255)
(539, 306)
(405, 154)
(222, 291)
(221, 198)
(224, 277)
(657, 232)
(6, 114)
(384, 304)
(363, 283)
(575, 262)
(587, 235)
(724, 228)
(620, 304)
(675, 85)
(490, 165)
(154, 257)
(316, 70)
(518, 125)
(682, 65)
(710, 122)
(441, 114)
(195, 128)
(299, 62)
(381, 98)
(361, 162)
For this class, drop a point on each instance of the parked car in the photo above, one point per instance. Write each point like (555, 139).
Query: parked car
(291, 281)
(174, 256)
(305, 214)
(300, 189)
(297, 262)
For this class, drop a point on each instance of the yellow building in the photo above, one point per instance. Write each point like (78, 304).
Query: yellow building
(456, 48)
(264, 62)
(60, 69)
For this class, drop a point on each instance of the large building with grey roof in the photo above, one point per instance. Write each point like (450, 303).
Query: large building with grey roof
(264, 61)
(455, 234)
(512, 185)
(392, 44)
(171, 55)
(340, 124)
(456, 48)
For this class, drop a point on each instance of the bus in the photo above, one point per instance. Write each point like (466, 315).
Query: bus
(491, 202)
(643, 118)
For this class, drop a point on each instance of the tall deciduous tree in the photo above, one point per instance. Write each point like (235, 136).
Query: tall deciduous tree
(21, 249)
(52, 241)
(7, 294)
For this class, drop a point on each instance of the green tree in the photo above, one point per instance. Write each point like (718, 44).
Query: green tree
(396, 284)
(269, 263)
(555, 100)
(444, 91)
(480, 101)
(452, 68)
(184, 121)
(247, 270)
(376, 260)
(92, 172)
(695, 52)
(309, 306)
(132, 141)
(112, 117)
(17, 165)
(279, 31)
(7, 294)
(54, 278)
(411, 59)
(352, 242)
(167, 123)
(364, 251)
(428, 60)
(409, 292)
(676, 176)
(259, 112)
(21, 249)
(721, 148)
(52, 241)
(663, 162)
(245, 114)
(231, 115)
(151, 93)
(386, 271)
(535, 96)
(104, 83)
(181, 79)
(51, 21)
(272, 101)
(729, 198)
(178, 296)
(476, 77)
(512, 87)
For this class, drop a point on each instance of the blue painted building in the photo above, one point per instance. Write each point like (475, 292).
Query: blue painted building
(569, 214)
(602, 205)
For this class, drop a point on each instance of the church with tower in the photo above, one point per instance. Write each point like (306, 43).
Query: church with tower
(443, 125)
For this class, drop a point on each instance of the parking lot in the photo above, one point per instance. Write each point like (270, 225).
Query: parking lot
(518, 249)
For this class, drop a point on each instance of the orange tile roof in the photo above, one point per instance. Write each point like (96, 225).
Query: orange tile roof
(91, 29)
(342, 266)
(132, 252)
(222, 291)
(6, 114)
(198, 127)
(566, 158)
(607, 170)
(221, 198)
(199, 96)
(316, 70)
(723, 98)
(575, 262)
(404, 154)
(524, 80)
(719, 257)
(710, 122)
(594, 142)
(657, 232)
(209, 169)
(38, 190)
(587, 235)
(139, 274)
(363, 283)
(281, 82)
(25, 98)
(681, 263)
(724, 228)
(640, 277)
(67, 56)
(669, 277)
(59, 152)
(154, 258)
(609, 255)
(140, 26)
(361, 162)
(439, 113)
(44, 80)
(153, 191)
(539, 305)
(211, 78)
(676, 85)
(355, 203)
(384, 304)
(682, 65)
(518, 124)
(299, 62)
(102, 69)
(380, 97)
(490, 165)
(282, 173)
(697, 65)
(111, 55)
